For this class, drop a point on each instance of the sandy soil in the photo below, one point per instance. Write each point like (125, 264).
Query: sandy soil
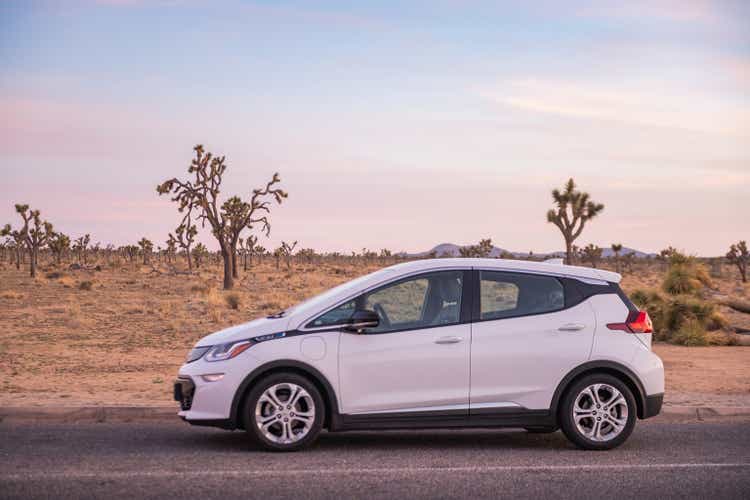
(122, 341)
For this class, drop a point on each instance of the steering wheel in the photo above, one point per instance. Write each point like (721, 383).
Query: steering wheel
(383, 315)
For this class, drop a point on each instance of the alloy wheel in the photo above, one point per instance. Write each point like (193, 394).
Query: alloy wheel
(285, 413)
(600, 412)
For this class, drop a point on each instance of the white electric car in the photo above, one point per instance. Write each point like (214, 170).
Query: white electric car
(435, 343)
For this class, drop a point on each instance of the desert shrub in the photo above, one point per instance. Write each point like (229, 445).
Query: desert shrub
(672, 314)
(691, 333)
(680, 280)
(274, 306)
(54, 275)
(685, 275)
(233, 300)
(202, 288)
(722, 338)
(717, 321)
(683, 309)
(86, 285)
(67, 281)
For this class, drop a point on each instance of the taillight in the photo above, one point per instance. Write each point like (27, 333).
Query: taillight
(637, 322)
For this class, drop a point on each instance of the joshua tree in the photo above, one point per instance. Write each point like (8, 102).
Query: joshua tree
(19, 240)
(482, 249)
(616, 249)
(186, 233)
(59, 243)
(591, 253)
(146, 249)
(573, 210)
(171, 248)
(306, 254)
(628, 260)
(199, 253)
(80, 245)
(130, 251)
(108, 252)
(285, 251)
(248, 248)
(229, 219)
(738, 255)
(36, 233)
(259, 251)
(666, 255)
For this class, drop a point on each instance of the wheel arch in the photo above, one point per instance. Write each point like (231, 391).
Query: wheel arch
(287, 366)
(618, 370)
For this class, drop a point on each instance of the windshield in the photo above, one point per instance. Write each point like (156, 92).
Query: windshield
(314, 302)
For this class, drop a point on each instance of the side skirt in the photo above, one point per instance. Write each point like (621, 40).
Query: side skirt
(446, 419)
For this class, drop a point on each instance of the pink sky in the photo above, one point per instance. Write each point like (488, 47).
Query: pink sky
(389, 131)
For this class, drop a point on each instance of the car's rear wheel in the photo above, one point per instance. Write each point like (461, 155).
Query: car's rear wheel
(284, 412)
(598, 412)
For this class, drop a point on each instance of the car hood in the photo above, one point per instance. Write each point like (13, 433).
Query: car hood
(260, 326)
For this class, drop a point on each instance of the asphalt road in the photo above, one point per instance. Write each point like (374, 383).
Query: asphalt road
(661, 460)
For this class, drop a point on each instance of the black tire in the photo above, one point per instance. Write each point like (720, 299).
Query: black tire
(251, 401)
(568, 425)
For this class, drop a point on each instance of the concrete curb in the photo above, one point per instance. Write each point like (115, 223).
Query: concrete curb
(92, 414)
(63, 414)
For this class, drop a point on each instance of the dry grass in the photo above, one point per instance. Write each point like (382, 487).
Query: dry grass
(123, 341)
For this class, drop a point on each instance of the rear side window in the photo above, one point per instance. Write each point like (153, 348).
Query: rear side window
(507, 295)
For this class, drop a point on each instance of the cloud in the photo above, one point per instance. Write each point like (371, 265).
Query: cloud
(655, 105)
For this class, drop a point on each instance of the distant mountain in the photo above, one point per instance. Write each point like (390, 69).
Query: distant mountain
(607, 252)
(452, 250)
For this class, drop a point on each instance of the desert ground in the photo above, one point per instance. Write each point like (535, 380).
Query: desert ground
(118, 335)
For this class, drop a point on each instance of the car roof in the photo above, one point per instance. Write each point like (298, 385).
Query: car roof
(528, 266)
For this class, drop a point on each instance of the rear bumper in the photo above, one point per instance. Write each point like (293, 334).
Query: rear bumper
(653, 405)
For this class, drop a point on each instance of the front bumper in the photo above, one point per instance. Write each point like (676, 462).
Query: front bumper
(184, 390)
(204, 400)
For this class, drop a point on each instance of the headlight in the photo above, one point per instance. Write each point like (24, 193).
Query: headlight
(229, 350)
(196, 353)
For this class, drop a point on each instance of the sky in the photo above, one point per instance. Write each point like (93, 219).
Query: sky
(392, 124)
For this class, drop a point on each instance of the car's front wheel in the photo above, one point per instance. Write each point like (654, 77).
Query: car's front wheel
(284, 412)
(598, 412)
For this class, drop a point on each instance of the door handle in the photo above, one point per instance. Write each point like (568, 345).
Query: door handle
(572, 327)
(448, 340)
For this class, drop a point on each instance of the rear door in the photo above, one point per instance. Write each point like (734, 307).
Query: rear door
(524, 340)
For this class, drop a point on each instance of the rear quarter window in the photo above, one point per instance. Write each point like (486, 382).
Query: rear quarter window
(508, 295)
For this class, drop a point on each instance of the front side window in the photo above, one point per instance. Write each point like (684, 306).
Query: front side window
(423, 301)
(507, 295)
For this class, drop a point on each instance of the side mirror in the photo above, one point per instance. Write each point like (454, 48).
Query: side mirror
(362, 319)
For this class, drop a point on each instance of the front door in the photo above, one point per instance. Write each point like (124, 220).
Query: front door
(417, 359)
